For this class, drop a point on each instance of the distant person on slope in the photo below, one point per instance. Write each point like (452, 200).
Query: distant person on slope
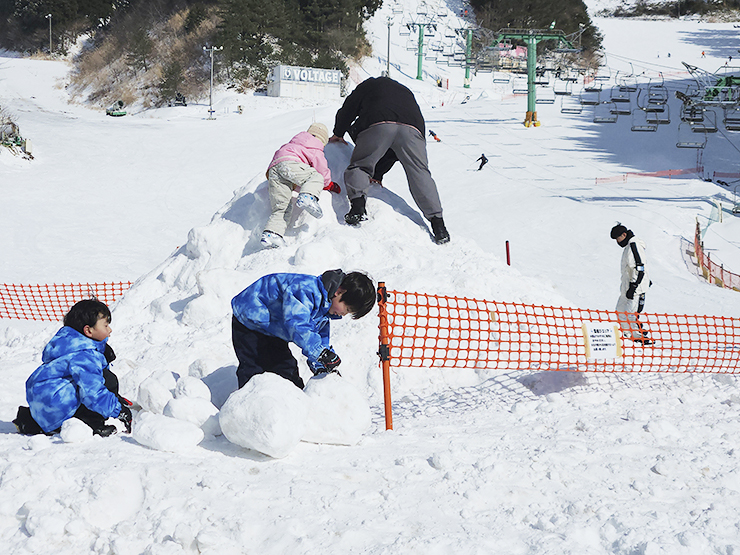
(300, 164)
(278, 309)
(382, 114)
(635, 283)
(75, 380)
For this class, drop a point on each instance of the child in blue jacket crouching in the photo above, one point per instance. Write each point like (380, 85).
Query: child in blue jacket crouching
(278, 309)
(74, 379)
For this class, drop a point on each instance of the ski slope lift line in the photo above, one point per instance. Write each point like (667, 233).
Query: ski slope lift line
(51, 302)
(420, 330)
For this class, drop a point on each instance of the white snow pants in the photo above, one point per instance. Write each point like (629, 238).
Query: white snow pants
(283, 178)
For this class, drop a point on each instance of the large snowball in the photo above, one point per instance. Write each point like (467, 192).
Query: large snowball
(153, 395)
(338, 413)
(268, 415)
(189, 386)
(195, 410)
(164, 433)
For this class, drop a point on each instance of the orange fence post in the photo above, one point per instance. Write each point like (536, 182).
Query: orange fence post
(385, 354)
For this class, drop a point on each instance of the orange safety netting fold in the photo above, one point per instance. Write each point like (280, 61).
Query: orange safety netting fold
(453, 332)
(52, 302)
(713, 272)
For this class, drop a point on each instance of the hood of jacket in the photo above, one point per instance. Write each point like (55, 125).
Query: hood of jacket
(332, 279)
(68, 340)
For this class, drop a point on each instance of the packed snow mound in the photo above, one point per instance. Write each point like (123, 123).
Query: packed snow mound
(164, 433)
(267, 415)
(192, 387)
(338, 413)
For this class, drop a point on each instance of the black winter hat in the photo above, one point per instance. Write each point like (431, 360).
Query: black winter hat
(617, 230)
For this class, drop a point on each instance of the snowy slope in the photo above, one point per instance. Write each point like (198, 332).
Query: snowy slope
(480, 462)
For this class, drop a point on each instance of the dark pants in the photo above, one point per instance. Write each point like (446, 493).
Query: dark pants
(28, 426)
(259, 353)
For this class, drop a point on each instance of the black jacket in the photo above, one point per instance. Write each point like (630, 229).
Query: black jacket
(376, 100)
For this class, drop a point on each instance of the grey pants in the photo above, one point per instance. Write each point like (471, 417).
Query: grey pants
(282, 179)
(411, 149)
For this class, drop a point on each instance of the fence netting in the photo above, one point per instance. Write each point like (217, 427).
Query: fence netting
(456, 332)
(51, 302)
(713, 272)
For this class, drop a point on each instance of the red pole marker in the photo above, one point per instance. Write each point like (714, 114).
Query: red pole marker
(508, 256)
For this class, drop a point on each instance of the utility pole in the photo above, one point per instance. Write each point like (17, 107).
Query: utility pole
(532, 37)
(49, 18)
(211, 49)
(420, 52)
(388, 57)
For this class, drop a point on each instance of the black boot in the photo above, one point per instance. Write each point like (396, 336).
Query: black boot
(25, 423)
(356, 212)
(441, 236)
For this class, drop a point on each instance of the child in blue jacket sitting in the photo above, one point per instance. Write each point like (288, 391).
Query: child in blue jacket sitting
(74, 379)
(281, 308)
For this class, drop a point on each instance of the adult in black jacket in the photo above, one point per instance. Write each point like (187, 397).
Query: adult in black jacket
(381, 115)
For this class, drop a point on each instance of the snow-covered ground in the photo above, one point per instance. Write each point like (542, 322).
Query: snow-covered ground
(489, 462)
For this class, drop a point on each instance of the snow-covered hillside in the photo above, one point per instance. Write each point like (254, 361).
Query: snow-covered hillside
(479, 462)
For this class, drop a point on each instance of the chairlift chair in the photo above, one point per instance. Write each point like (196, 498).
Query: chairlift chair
(544, 95)
(618, 94)
(621, 108)
(603, 73)
(691, 113)
(640, 122)
(590, 98)
(706, 125)
(404, 30)
(659, 117)
(593, 86)
(412, 45)
(562, 87)
(604, 113)
(501, 77)
(520, 85)
(687, 138)
(570, 105)
(731, 118)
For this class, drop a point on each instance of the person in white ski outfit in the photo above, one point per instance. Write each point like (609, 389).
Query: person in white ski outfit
(635, 283)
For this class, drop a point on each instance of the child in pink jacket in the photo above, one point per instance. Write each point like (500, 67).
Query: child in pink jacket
(298, 165)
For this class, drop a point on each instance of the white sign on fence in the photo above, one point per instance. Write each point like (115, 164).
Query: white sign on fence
(603, 340)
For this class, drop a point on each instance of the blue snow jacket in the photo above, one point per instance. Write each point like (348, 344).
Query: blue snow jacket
(293, 307)
(71, 375)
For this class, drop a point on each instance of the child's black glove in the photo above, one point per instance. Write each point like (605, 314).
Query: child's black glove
(327, 362)
(125, 417)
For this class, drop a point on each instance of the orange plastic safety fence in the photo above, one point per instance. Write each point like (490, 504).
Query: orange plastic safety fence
(52, 302)
(453, 332)
(713, 272)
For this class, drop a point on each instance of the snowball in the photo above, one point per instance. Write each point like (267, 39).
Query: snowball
(165, 433)
(199, 368)
(75, 430)
(268, 415)
(338, 413)
(188, 386)
(196, 411)
(153, 396)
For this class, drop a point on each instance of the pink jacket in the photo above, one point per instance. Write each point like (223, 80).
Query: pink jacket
(305, 148)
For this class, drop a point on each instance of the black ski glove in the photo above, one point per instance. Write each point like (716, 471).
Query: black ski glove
(327, 362)
(631, 291)
(125, 417)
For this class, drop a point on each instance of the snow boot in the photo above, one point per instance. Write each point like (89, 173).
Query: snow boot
(271, 240)
(441, 236)
(357, 212)
(310, 204)
(25, 424)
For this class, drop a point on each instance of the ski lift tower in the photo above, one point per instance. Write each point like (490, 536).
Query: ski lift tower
(532, 37)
